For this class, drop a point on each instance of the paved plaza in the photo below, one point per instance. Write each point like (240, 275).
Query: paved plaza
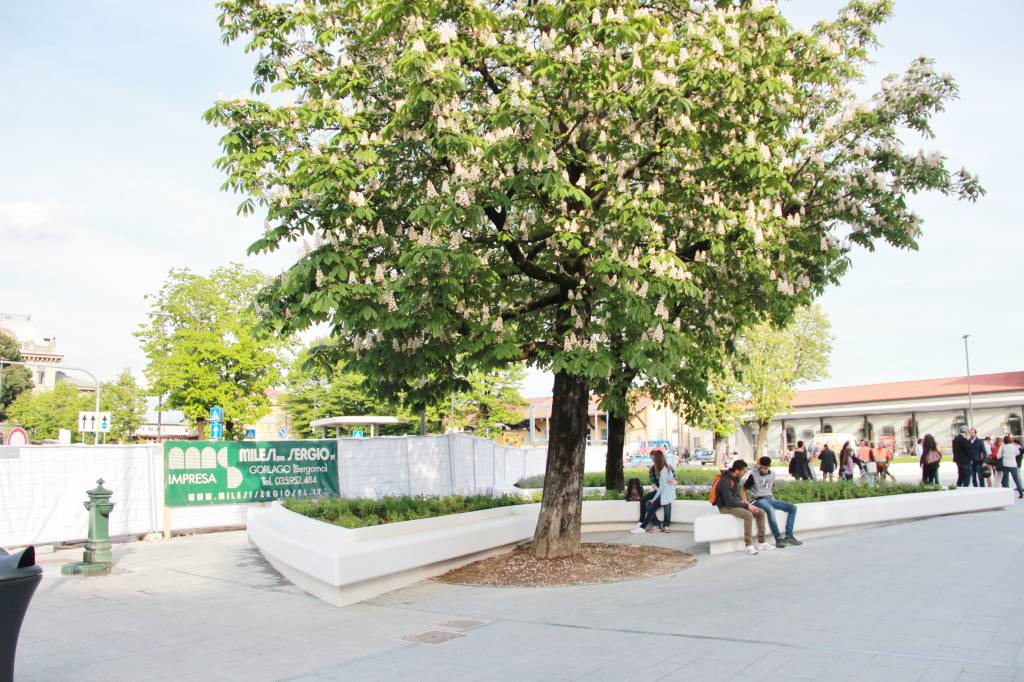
(938, 599)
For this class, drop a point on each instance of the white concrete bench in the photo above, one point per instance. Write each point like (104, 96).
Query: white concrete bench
(724, 533)
(344, 566)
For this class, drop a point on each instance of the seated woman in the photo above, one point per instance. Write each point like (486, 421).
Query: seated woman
(663, 496)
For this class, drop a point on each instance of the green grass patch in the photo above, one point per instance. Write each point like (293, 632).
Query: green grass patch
(352, 513)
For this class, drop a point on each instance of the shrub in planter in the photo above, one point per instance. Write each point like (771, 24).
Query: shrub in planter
(356, 513)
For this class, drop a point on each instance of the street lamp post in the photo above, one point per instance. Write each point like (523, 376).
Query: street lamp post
(970, 396)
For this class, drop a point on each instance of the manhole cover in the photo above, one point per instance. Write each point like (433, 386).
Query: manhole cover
(432, 637)
(462, 624)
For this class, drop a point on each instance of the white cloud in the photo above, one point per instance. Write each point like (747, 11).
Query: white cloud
(27, 220)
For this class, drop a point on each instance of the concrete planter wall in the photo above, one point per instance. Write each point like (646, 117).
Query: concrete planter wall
(344, 566)
(725, 533)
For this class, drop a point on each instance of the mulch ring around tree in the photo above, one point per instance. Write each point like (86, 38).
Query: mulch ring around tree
(596, 563)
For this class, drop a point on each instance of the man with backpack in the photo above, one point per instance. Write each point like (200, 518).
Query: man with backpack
(759, 487)
(727, 495)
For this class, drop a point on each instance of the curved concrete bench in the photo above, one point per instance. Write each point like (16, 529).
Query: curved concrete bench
(725, 533)
(344, 566)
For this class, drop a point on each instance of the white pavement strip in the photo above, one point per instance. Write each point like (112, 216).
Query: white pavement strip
(934, 599)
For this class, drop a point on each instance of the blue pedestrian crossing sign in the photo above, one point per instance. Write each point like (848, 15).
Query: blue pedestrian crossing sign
(216, 431)
(250, 434)
(282, 432)
(216, 414)
(357, 434)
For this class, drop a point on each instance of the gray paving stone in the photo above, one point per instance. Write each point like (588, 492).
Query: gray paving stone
(205, 608)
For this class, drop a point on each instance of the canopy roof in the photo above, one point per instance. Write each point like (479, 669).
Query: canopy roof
(357, 420)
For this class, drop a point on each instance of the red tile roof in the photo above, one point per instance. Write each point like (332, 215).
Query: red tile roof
(911, 390)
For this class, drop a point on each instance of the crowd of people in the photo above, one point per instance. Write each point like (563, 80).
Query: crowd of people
(747, 497)
(748, 494)
(978, 461)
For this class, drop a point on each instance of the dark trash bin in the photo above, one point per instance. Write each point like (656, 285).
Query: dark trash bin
(19, 578)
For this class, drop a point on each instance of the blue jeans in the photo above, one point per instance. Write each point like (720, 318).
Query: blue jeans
(1015, 472)
(977, 474)
(652, 516)
(644, 501)
(769, 505)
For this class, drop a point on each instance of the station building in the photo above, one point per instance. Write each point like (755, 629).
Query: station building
(898, 412)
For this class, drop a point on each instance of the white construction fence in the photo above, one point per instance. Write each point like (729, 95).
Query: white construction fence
(42, 487)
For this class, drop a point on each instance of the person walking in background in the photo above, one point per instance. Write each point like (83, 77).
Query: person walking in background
(1008, 452)
(919, 448)
(871, 468)
(976, 453)
(812, 455)
(729, 500)
(846, 462)
(759, 487)
(799, 467)
(663, 498)
(962, 459)
(884, 457)
(865, 453)
(930, 460)
(827, 461)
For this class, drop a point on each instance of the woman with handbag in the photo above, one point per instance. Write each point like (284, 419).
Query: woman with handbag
(1008, 454)
(930, 460)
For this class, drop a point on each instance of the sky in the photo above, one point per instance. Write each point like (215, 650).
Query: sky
(107, 183)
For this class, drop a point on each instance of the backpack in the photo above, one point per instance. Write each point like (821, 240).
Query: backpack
(634, 490)
(713, 495)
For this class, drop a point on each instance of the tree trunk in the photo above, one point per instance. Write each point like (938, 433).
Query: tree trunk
(558, 526)
(762, 438)
(614, 478)
(721, 445)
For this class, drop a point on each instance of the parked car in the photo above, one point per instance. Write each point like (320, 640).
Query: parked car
(704, 456)
(641, 461)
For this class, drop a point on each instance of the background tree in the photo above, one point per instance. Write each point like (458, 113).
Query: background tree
(485, 183)
(313, 393)
(776, 360)
(126, 401)
(44, 413)
(204, 349)
(16, 379)
(723, 408)
(488, 406)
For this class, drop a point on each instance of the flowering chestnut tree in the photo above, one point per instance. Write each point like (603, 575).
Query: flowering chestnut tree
(584, 185)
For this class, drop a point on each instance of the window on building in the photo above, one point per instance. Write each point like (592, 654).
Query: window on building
(790, 438)
(40, 377)
(867, 433)
(807, 435)
(958, 424)
(1013, 424)
(826, 428)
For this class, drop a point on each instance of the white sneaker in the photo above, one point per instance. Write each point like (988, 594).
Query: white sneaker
(639, 530)
(762, 546)
(751, 550)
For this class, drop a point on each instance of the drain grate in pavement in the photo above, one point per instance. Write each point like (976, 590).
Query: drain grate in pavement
(462, 624)
(432, 637)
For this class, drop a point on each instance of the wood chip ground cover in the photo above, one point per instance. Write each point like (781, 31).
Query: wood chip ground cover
(596, 563)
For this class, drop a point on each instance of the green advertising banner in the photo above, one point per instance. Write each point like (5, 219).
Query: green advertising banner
(233, 472)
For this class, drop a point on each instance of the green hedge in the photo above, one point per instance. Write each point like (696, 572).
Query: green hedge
(798, 492)
(595, 479)
(350, 513)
